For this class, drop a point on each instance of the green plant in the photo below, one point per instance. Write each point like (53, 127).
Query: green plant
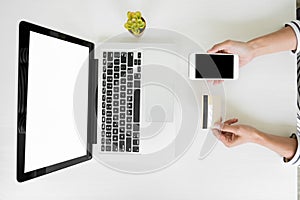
(135, 23)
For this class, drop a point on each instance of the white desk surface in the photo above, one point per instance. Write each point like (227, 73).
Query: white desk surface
(263, 96)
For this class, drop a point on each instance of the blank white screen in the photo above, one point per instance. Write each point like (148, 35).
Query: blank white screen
(51, 134)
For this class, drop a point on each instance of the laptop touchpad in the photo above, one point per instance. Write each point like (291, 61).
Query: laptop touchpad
(157, 87)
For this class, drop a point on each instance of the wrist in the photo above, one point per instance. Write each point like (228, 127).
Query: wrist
(258, 137)
(254, 47)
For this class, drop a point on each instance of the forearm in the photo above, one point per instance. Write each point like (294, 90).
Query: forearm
(282, 40)
(284, 146)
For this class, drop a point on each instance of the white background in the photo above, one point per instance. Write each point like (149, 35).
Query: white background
(263, 96)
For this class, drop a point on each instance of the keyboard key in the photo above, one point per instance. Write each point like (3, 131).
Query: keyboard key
(116, 82)
(129, 112)
(139, 54)
(115, 110)
(137, 84)
(116, 68)
(116, 117)
(104, 68)
(128, 144)
(123, 74)
(135, 149)
(122, 129)
(130, 71)
(130, 59)
(115, 146)
(103, 83)
(115, 131)
(136, 127)
(115, 124)
(122, 115)
(122, 122)
(129, 98)
(116, 103)
(109, 72)
(108, 148)
(102, 133)
(103, 104)
(116, 61)
(128, 126)
(109, 94)
(139, 69)
(108, 106)
(102, 148)
(122, 146)
(137, 75)
(110, 56)
(108, 120)
(102, 141)
(103, 126)
(135, 142)
(123, 67)
(129, 84)
(123, 80)
(108, 134)
(122, 94)
(116, 75)
(103, 90)
(128, 133)
(129, 105)
(122, 136)
(103, 119)
(103, 97)
(103, 111)
(122, 109)
(109, 65)
(123, 88)
(108, 127)
(129, 77)
(104, 75)
(108, 141)
(108, 113)
(122, 102)
(108, 99)
(136, 135)
(139, 62)
(117, 54)
(123, 57)
(116, 96)
(109, 85)
(115, 138)
(136, 114)
(109, 79)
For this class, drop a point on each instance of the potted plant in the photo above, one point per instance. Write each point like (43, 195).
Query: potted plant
(135, 24)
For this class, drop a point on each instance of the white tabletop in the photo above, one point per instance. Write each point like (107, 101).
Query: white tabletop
(264, 96)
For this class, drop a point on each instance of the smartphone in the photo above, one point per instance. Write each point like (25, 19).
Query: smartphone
(217, 66)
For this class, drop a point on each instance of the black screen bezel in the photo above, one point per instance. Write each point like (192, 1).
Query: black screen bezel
(24, 37)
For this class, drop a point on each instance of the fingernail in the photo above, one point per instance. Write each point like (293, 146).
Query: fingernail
(217, 126)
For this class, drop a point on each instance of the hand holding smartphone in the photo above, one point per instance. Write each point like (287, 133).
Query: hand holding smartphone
(213, 66)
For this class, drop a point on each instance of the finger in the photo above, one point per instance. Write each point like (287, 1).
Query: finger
(231, 121)
(219, 47)
(229, 128)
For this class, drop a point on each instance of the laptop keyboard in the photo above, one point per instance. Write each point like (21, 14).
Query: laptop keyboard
(120, 101)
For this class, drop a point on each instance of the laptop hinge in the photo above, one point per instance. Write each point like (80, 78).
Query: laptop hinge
(92, 101)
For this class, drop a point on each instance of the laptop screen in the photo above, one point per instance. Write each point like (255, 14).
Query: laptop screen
(51, 133)
(56, 74)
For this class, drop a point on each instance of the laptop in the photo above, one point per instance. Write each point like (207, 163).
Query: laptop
(104, 94)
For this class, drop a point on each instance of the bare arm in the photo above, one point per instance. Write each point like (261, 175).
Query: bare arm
(282, 40)
(233, 135)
